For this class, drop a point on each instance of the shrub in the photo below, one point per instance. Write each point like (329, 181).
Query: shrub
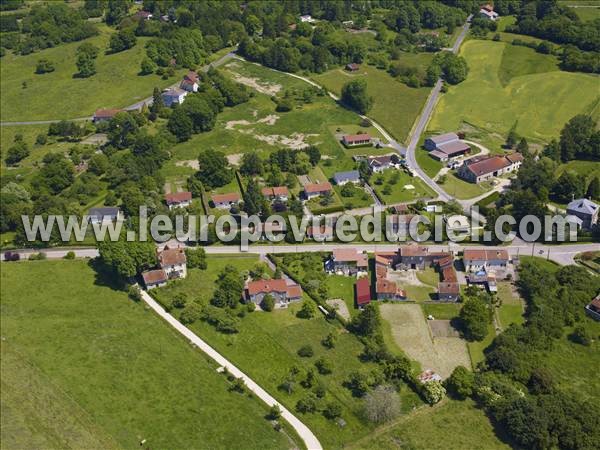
(324, 366)
(274, 412)
(581, 336)
(251, 307)
(332, 411)
(191, 313)
(179, 301)
(307, 404)
(41, 139)
(69, 255)
(44, 66)
(460, 383)
(134, 293)
(306, 351)
(330, 340)
(268, 303)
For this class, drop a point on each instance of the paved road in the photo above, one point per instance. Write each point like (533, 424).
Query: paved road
(561, 254)
(310, 440)
(42, 122)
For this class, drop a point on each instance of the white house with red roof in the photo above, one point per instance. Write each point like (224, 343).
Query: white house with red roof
(178, 200)
(347, 261)
(173, 261)
(190, 82)
(316, 190)
(279, 289)
(223, 201)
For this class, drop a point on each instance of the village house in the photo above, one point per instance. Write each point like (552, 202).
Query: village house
(593, 308)
(223, 201)
(190, 82)
(476, 260)
(351, 176)
(413, 257)
(178, 200)
(586, 210)
(282, 292)
(347, 261)
(448, 291)
(478, 169)
(174, 96)
(362, 292)
(319, 232)
(280, 193)
(388, 290)
(173, 261)
(352, 67)
(154, 278)
(306, 18)
(457, 224)
(104, 215)
(102, 115)
(378, 164)
(316, 190)
(143, 15)
(487, 12)
(353, 140)
(384, 261)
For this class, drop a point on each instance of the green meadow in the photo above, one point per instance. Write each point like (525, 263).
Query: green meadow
(73, 348)
(61, 95)
(524, 87)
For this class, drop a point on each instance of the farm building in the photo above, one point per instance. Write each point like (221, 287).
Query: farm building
(105, 114)
(362, 292)
(433, 142)
(178, 200)
(388, 290)
(478, 169)
(450, 150)
(352, 67)
(352, 140)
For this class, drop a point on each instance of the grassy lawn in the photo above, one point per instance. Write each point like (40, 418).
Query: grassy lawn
(419, 293)
(584, 169)
(429, 165)
(476, 348)
(360, 199)
(58, 95)
(266, 348)
(518, 61)
(429, 276)
(453, 424)
(399, 193)
(441, 311)
(85, 367)
(459, 188)
(395, 106)
(343, 287)
(527, 99)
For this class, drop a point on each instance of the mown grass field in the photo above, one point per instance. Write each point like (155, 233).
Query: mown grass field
(85, 367)
(459, 188)
(449, 425)
(60, 95)
(266, 349)
(529, 98)
(395, 106)
(398, 192)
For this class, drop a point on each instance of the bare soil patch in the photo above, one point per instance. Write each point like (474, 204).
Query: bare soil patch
(193, 163)
(411, 333)
(234, 159)
(261, 86)
(340, 307)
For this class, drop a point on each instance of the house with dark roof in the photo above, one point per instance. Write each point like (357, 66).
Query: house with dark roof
(586, 210)
(223, 201)
(154, 278)
(316, 190)
(353, 140)
(351, 176)
(593, 308)
(482, 168)
(279, 289)
(178, 199)
(173, 261)
(174, 96)
(378, 164)
(105, 214)
(362, 292)
(450, 150)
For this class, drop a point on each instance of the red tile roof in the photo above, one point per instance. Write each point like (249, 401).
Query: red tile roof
(448, 288)
(154, 277)
(178, 197)
(294, 291)
(266, 286)
(171, 257)
(226, 198)
(350, 255)
(413, 250)
(106, 113)
(449, 275)
(277, 191)
(191, 77)
(316, 188)
(363, 291)
(350, 138)
(384, 286)
(484, 254)
(489, 164)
